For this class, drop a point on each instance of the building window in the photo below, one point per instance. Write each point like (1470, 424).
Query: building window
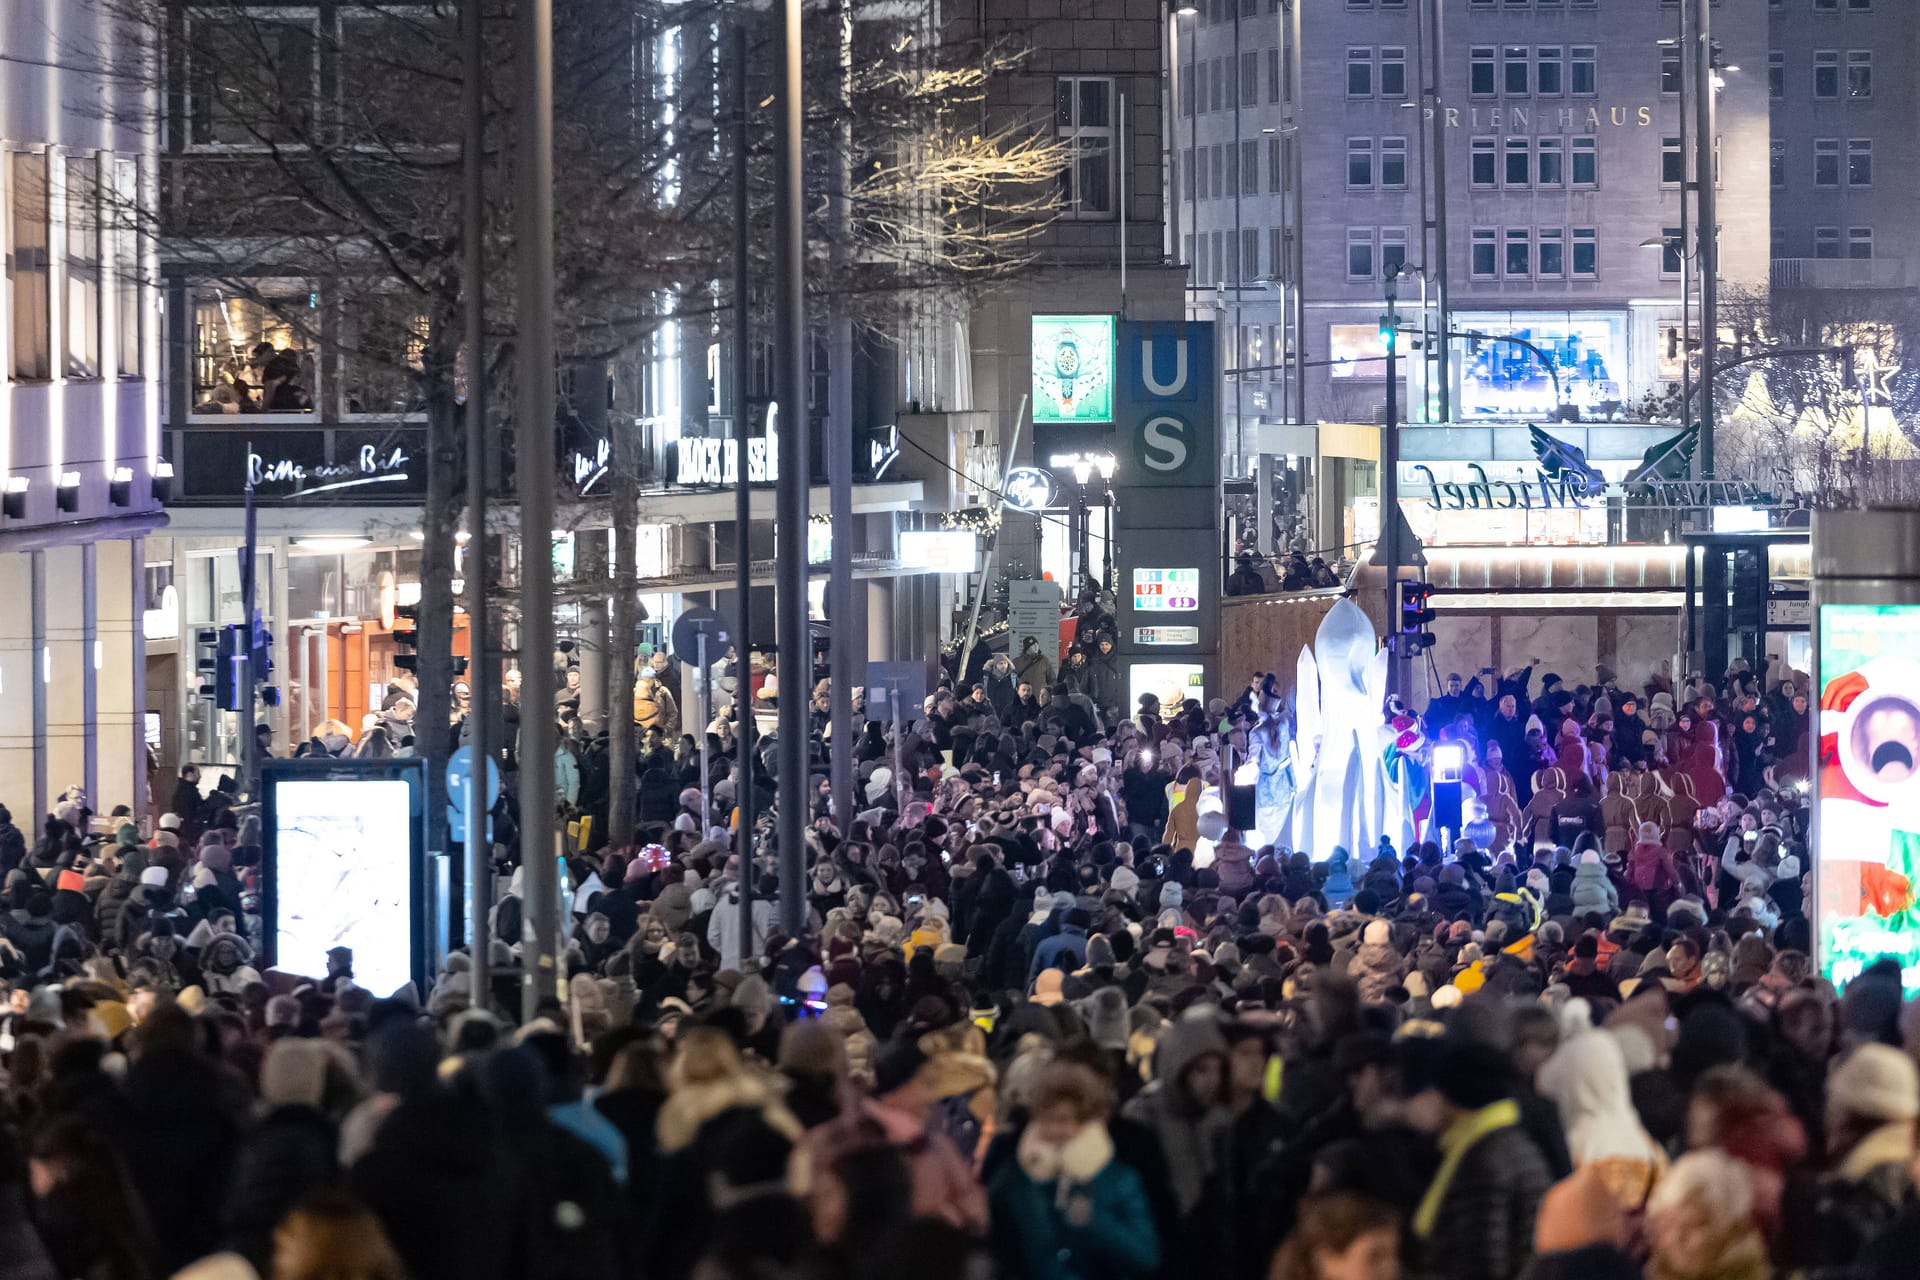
(1359, 163)
(1220, 184)
(1860, 6)
(1200, 171)
(1273, 74)
(1219, 259)
(1826, 6)
(1249, 168)
(1826, 162)
(1519, 262)
(1199, 78)
(1516, 70)
(1230, 271)
(1393, 163)
(1186, 95)
(1586, 162)
(1230, 162)
(1586, 253)
(1486, 253)
(1480, 75)
(1200, 264)
(1777, 163)
(1585, 71)
(1672, 251)
(1826, 242)
(1519, 162)
(1231, 74)
(81, 206)
(129, 303)
(1826, 73)
(250, 82)
(1359, 73)
(1217, 96)
(1859, 73)
(1553, 253)
(1359, 253)
(1274, 165)
(1276, 252)
(1673, 163)
(1486, 163)
(1393, 250)
(1186, 173)
(1083, 115)
(1860, 243)
(1859, 162)
(1670, 71)
(383, 347)
(255, 354)
(28, 267)
(1549, 72)
(1777, 74)
(1393, 73)
(1250, 78)
(1188, 251)
(1552, 161)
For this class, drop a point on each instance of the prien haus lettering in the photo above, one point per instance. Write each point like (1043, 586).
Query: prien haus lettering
(1558, 119)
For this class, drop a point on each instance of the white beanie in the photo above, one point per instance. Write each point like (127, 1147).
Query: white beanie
(155, 875)
(1125, 879)
(1876, 1081)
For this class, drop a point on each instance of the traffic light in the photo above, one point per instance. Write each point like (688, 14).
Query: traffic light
(406, 637)
(1386, 332)
(1416, 615)
(232, 690)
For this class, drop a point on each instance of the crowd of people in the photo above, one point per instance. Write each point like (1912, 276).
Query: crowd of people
(1048, 1016)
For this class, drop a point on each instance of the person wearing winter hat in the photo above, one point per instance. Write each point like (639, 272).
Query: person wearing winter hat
(1873, 1099)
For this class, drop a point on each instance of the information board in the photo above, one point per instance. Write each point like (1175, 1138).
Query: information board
(1166, 590)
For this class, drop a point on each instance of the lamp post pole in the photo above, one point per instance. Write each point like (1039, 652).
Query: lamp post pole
(1390, 488)
(1709, 232)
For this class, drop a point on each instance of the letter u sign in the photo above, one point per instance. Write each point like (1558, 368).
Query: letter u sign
(1150, 373)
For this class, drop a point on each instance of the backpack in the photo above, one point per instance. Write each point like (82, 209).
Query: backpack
(1645, 870)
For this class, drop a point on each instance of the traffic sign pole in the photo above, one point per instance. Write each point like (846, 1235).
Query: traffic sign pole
(706, 792)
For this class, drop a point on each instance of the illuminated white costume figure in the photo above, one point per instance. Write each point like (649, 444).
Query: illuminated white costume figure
(1343, 794)
(1270, 744)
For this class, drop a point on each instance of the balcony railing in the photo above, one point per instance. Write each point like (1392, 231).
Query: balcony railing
(1839, 273)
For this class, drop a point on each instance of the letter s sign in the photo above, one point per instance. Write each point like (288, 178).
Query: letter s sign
(1166, 445)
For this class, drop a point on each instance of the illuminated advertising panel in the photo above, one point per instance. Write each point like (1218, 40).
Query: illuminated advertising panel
(1072, 369)
(1167, 681)
(1868, 818)
(1356, 351)
(1166, 590)
(343, 864)
(939, 550)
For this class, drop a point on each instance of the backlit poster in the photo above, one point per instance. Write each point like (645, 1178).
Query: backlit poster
(1166, 590)
(1867, 830)
(1073, 369)
(343, 867)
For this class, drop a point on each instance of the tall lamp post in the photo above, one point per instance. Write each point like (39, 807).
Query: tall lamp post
(1388, 552)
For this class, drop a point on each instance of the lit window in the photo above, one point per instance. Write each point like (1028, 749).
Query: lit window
(255, 353)
(28, 268)
(81, 347)
(128, 276)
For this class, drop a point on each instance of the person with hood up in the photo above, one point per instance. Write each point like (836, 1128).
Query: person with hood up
(1233, 863)
(1873, 1099)
(1651, 874)
(1065, 1208)
(224, 967)
(1619, 814)
(1066, 950)
(1593, 890)
(723, 926)
(1183, 1106)
(1586, 1077)
(1183, 819)
(1338, 888)
(1377, 967)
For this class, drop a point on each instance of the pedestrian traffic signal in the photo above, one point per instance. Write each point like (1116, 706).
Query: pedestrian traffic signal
(406, 637)
(1386, 332)
(232, 689)
(1416, 615)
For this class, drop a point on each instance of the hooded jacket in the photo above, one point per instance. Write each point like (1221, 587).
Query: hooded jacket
(1189, 1135)
(1592, 890)
(1183, 820)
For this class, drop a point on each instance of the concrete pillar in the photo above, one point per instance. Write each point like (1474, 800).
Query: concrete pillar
(69, 655)
(119, 759)
(19, 668)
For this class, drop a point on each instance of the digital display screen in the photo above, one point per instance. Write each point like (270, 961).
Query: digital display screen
(1170, 682)
(1166, 590)
(343, 877)
(1868, 797)
(1073, 368)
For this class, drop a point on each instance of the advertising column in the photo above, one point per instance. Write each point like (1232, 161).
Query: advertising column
(1167, 509)
(1866, 821)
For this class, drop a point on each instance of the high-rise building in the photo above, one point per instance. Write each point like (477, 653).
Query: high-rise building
(1550, 150)
(80, 450)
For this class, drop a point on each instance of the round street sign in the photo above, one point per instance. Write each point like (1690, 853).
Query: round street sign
(1029, 489)
(690, 626)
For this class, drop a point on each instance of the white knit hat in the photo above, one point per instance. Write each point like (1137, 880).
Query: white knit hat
(1878, 1082)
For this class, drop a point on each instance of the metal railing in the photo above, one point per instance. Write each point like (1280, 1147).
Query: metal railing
(1840, 273)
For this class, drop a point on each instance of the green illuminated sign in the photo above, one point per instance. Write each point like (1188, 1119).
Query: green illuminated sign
(1073, 368)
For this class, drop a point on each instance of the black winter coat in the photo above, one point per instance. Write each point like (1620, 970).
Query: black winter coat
(1484, 1230)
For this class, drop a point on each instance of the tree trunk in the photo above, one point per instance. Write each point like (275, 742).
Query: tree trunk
(439, 523)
